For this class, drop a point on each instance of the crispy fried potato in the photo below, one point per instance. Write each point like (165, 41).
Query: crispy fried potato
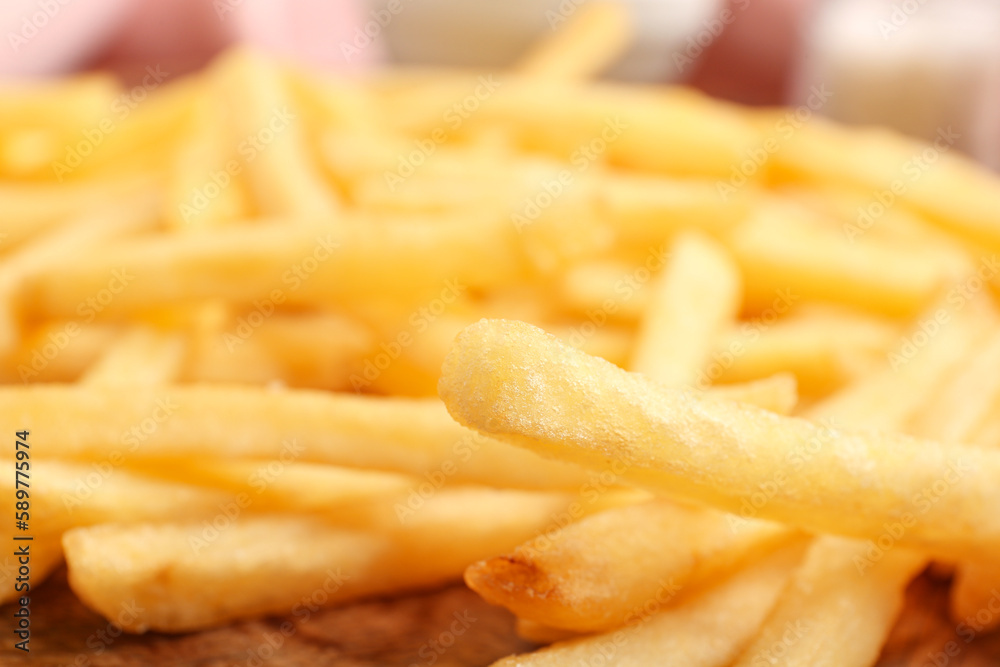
(704, 629)
(782, 247)
(141, 356)
(511, 381)
(182, 576)
(832, 597)
(910, 378)
(176, 422)
(691, 303)
(300, 265)
(824, 348)
(594, 574)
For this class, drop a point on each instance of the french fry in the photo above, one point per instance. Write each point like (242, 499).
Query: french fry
(28, 209)
(704, 629)
(967, 398)
(594, 39)
(316, 350)
(269, 139)
(178, 421)
(888, 398)
(59, 351)
(777, 393)
(288, 485)
(824, 348)
(592, 575)
(828, 600)
(780, 247)
(141, 356)
(183, 584)
(946, 188)
(204, 187)
(52, 249)
(511, 381)
(648, 209)
(305, 264)
(66, 494)
(695, 299)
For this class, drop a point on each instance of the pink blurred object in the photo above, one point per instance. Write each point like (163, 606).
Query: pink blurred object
(53, 36)
(178, 36)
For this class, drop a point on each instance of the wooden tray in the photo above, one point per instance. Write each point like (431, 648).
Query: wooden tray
(391, 632)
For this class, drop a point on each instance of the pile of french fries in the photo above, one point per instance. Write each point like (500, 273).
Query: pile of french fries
(724, 382)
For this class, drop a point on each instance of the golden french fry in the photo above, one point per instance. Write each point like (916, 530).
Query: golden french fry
(704, 629)
(829, 599)
(513, 382)
(59, 351)
(933, 179)
(777, 393)
(268, 137)
(695, 299)
(967, 398)
(64, 495)
(783, 247)
(56, 246)
(183, 579)
(140, 356)
(288, 485)
(888, 398)
(295, 265)
(28, 209)
(593, 575)
(318, 350)
(225, 422)
(824, 348)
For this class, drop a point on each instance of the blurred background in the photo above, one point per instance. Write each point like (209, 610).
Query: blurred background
(915, 65)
